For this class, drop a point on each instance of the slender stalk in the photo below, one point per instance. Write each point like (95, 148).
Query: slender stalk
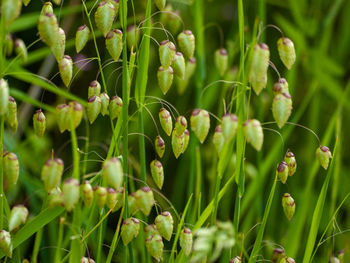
(2, 194)
(59, 240)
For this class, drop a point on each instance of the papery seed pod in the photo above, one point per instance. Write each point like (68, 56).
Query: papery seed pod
(111, 200)
(9, 44)
(116, 6)
(63, 117)
(334, 259)
(71, 193)
(186, 240)
(218, 139)
(165, 225)
(167, 52)
(200, 123)
(26, 2)
(160, 4)
(18, 216)
(254, 133)
(186, 140)
(93, 108)
(112, 172)
(114, 43)
(154, 245)
(187, 43)
(282, 172)
(281, 87)
(177, 143)
(221, 61)
(157, 173)
(4, 96)
(165, 121)
(174, 22)
(288, 205)
(290, 260)
(150, 230)
(289, 158)
(159, 145)
(6, 243)
(87, 193)
(104, 16)
(104, 103)
(286, 51)
(130, 230)
(277, 255)
(55, 198)
(59, 46)
(323, 155)
(341, 255)
(94, 89)
(39, 123)
(51, 173)
(132, 204)
(66, 69)
(236, 259)
(57, 2)
(180, 125)
(81, 37)
(120, 200)
(179, 65)
(132, 36)
(229, 126)
(189, 70)
(100, 195)
(11, 116)
(281, 108)
(10, 167)
(47, 8)
(144, 200)
(115, 107)
(10, 10)
(48, 28)
(87, 260)
(165, 78)
(21, 49)
(259, 65)
(76, 113)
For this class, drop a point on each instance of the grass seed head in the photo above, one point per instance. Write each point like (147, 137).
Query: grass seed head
(39, 123)
(63, 117)
(159, 145)
(100, 195)
(179, 65)
(115, 107)
(130, 230)
(18, 216)
(10, 10)
(10, 167)
(177, 143)
(87, 193)
(281, 87)
(150, 230)
(165, 78)
(167, 52)
(66, 69)
(218, 139)
(165, 121)
(81, 37)
(180, 125)
(119, 199)
(282, 172)
(11, 116)
(71, 193)
(323, 155)
(76, 113)
(112, 172)
(94, 89)
(259, 65)
(221, 61)
(155, 245)
(47, 8)
(286, 51)
(104, 16)
(114, 43)
(4, 96)
(93, 108)
(21, 49)
(104, 103)
(254, 133)
(282, 108)
(132, 36)
(111, 198)
(6, 243)
(87, 260)
(116, 6)
(160, 4)
(186, 140)
(51, 173)
(200, 123)
(48, 28)
(189, 71)
(165, 225)
(289, 158)
(288, 205)
(186, 42)
(59, 46)
(278, 255)
(55, 198)
(186, 241)
(229, 126)
(132, 204)
(145, 200)
(236, 259)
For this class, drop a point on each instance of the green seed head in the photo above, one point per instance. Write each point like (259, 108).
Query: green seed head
(259, 65)
(132, 36)
(93, 108)
(130, 230)
(116, 6)
(81, 37)
(144, 200)
(39, 123)
(71, 193)
(229, 126)
(150, 230)
(186, 140)
(6, 243)
(9, 44)
(177, 143)
(221, 61)
(57, 2)
(120, 199)
(112, 172)
(104, 16)
(63, 117)
(288, 205)
(10, 10)
(59, 46)
(282, 172)
(18, 216)
(76, 113)
(160, 4)
(159, 145)
(167, 52)
(157, 173)
(323, 155)
(48, 28)
(282, 108)
(94, 89)
(132, 203)
(186, 42)
(115, 107)
(180, 125)
(4, 96)
(179, 65)
(87, 193)
(218, 139)
(26, 2)
(186, 240)
(154, 245)
(51, 173)
(10, 167)
(87, 260)
(289, 260)
(236, 259)
(286, 51)
(165, 121)
(281, 87)
(66, 69)
(341, 256)
(165, 225)
(104, 103)
(55, 198)
(189, 70)
(100, 195)
(200, 123)
(114, 43)
(254, 133)
(278, 255)
(47, 8)
(111, 198)
(11, 116)
(289, 158)
(21, 49)
(165, 78)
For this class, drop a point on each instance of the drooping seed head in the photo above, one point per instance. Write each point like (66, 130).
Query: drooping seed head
(115, 107)
(286, 51)
(66, 69)
(254, 133)
(165, 78)
(81, 37)
(179, 65)
(259, 65)
(10, 10)
(154, 245)
(144, 200)
(18, 216)
(100, 195)
(11, 115)
(93, 108)
(130, 230)
(55, 198)
(112, 172)
(94, 89)
(10, 167)
(278, 254)
(167, 52)
(6, 243)
(218, 139)
(51, 173)
(48, 28)
(281, 108)
(150, 230)
(63, 117)
(71, 193)
(288, 205)
(180, 125)
(47, 8)
(221, 61)
(104, 103)
(159, 145)
(229, 126)
(186, 42)
(21, 49)
(132, 36)
(323, 155)
(132, 204)
(4, 96)
(114, 43)
(165, 121)
(165, 225)
(186, 240)
(282, 172)
(104, 16)
(177, 143)
(87, 193)
(289, 158)
(200, 123)
(111, 198)
(59, 46)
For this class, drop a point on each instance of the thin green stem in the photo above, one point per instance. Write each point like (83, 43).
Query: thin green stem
(2, 194)
(59, 240)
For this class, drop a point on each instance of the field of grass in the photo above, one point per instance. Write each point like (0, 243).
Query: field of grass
(174, 131)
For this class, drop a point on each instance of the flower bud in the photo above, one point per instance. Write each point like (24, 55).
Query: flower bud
(111, 200)
(87, 193)
(254, 133)
(4, 96)
(94, 89)
(157, 173)
(259, 65)
(159, 146)
(59, 46)
(144, 200)
(236, 259)
(21, 49)
(221, 61)
(10, 10)
(81, 37)
(186, 42)
(70, 193)
(160, 4)
(115, 107)
(281, 108)
(11, 167)
(189, 70)
(39, 123)
(177, 143)
(334, 259)
(200, 123)
(165, 78)
(186, 240)
(48, 28)
(132, 204)
(186, 140)
(104, 103)
(100, 195)
(76, 113)
(132, 36)
(291, 162)
(229, 126)
(66, 69)
(180, 125)
(179, 65)
(112, 172)
(87, 260)
(165, 121)
(18, 216)
(5, 242)
(154, 245)
(114, 43)
(323, 155)
(63, 118)
(218, 139)
(280, 87)
(47, 8)
(277, 255)
(104, 16)
(167, 52)
(55, 198)
(11, 116)
(51, 173)
(286, 51)
(288, 205)
(93, 108)
(282, 172)
(150, 230)
(130, 230)
(165, 225)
